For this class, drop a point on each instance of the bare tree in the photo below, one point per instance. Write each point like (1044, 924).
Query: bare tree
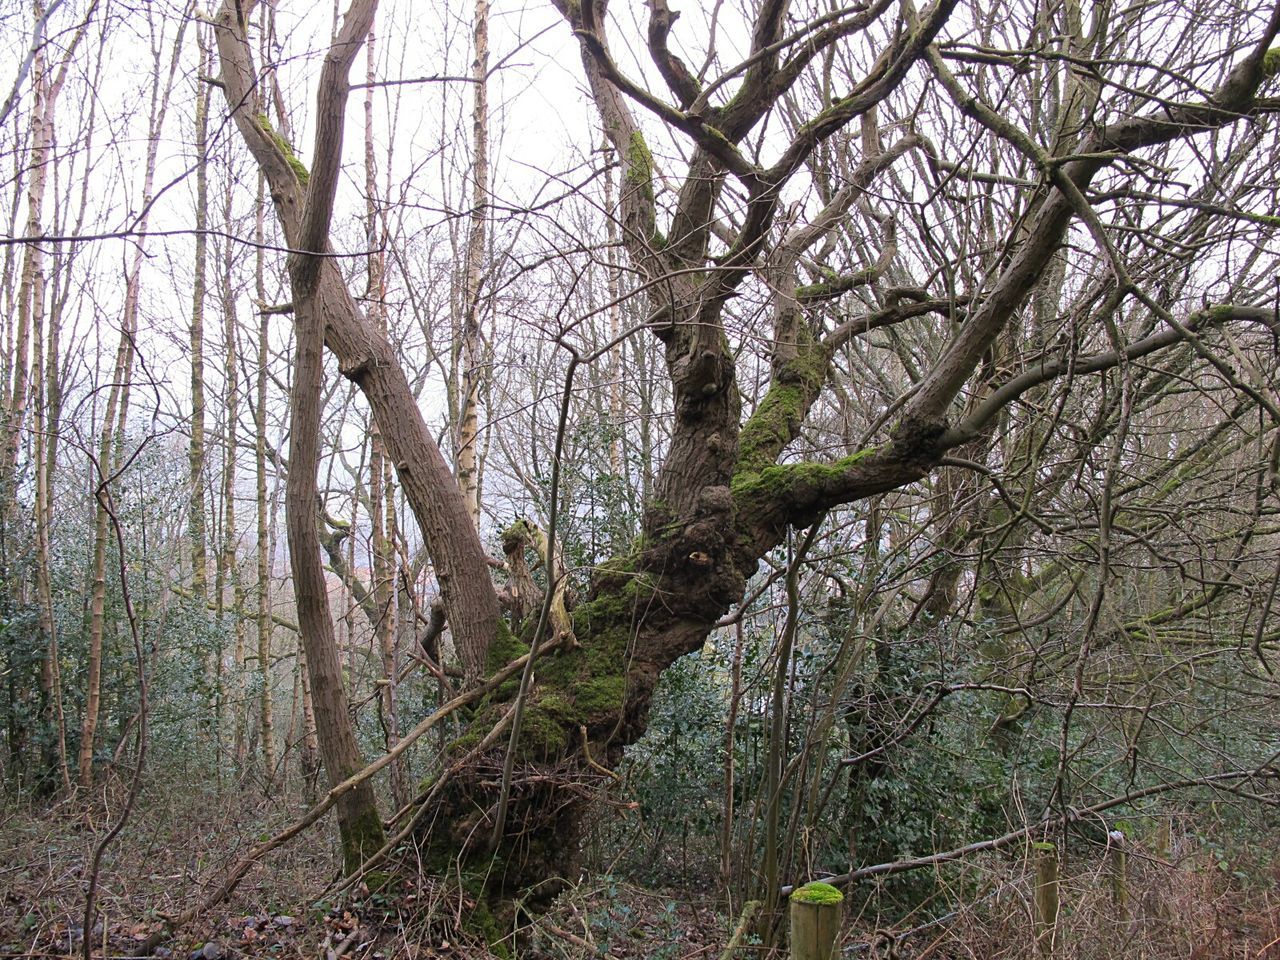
(757, 214)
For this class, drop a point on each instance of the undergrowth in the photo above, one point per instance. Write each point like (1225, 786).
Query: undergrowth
(1189, 902)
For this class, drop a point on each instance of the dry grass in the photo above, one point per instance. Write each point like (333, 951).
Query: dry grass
(179, 837)
(1185, 909)
(183, 836)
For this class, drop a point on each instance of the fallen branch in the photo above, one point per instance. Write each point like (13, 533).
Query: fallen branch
(744, 924)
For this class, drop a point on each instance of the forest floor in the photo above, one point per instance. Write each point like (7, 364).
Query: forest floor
(181, 840)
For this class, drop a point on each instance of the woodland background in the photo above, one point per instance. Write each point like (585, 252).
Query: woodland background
(1057, 623)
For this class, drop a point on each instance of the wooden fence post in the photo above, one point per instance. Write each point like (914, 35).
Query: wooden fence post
(815, 921)
(1119, 864)
(1046, 895)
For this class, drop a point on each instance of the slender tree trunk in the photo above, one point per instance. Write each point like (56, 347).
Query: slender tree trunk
(116, 416)
(44, 460)
(31, 285)
(108, 462)
(266, 736)
(358, 818)
(196, 510)
(381, 493)
(473, 359)
(614, 288)
(31, 310)
(230, 528)
(310, 755)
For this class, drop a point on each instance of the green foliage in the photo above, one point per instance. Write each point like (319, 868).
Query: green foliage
(675, 774)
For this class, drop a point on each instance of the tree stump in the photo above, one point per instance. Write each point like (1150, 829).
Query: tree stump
(816, 910)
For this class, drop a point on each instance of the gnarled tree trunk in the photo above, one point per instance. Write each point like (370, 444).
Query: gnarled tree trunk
(725, 494)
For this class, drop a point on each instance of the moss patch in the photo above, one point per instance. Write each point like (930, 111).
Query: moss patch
(779, 483)
(286, 148)
(601, 696)
(1271, 62)
(817, 892)
(578, 686)
(640, 165)
(779, 415)
(362, 837)
(506, 647)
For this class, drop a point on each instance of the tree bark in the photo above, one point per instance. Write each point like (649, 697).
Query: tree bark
(364, 355)
(232, 582)
(196, 509)
(381, 492)
(265, 625)
(358, 818)
(473, 359)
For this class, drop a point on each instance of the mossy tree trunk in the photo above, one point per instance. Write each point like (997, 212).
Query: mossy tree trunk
(724, 495)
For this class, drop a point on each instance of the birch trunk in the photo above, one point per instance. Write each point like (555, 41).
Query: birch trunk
(473, 359)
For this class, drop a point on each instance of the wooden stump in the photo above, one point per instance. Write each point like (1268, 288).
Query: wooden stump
(1046, 895)
(816, 910)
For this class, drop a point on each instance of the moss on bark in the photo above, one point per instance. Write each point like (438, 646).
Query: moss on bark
(362, 836)
(285, 147)
(778, 417)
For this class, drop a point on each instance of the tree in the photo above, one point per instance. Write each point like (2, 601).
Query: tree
(757, 215)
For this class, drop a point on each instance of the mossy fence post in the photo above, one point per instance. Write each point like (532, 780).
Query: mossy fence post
(1119, 864)
(1045, 903)
(816, 911)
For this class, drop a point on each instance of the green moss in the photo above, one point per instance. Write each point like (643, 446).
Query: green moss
(577, 686)
(779, 414)
(468, 741)
(819, 291)
(286, 148)
(542, 734)
(520, 532)
(506, 647)
(778, 417)
(640, 164)
(779, 482)
(601, 697)
(381, 881)
(1271, 62)
(481, 921)
(555, 704)
(817, 892)
(362, 837)
(585, 686)
(639, 174)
